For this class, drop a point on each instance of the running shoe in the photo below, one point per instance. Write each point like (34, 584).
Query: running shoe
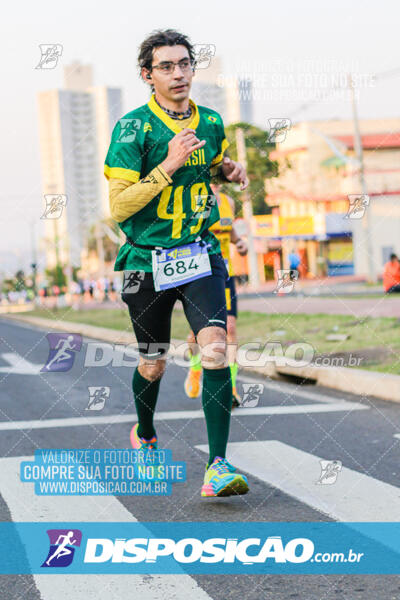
(235, 399)
(220, 479)
(192, 383)
(139, 443)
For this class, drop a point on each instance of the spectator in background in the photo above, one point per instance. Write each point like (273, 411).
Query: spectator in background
(75, 290)
(86, 287)
(106, 287)
(81, 287)
(391, 275)
(294, 262)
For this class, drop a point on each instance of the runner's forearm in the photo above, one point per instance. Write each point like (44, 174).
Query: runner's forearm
(234, 236)
(127, 198)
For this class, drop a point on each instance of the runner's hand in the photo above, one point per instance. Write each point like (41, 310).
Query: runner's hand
(180, 148)
(241, 247)
(235, 172)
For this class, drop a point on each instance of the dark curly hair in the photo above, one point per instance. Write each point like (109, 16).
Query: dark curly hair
(158, 38)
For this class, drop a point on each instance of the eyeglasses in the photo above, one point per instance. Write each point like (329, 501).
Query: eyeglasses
(168, 67)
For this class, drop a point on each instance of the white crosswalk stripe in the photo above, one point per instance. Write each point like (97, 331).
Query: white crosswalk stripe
(18, 365)
(173, 415)
(24, 505)
(354, 497)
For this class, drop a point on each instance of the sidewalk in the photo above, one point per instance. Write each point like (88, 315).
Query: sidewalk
(387, 306)
(329, 295)
(344, 285)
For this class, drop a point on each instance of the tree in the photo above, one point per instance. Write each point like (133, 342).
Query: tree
(259, 166)
(56, 276)
(110, 247)
(19, 281)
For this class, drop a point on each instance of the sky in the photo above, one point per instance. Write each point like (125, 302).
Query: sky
(292, 50)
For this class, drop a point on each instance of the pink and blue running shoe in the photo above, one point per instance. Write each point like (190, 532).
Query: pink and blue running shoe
(139, 443)
(220, 479)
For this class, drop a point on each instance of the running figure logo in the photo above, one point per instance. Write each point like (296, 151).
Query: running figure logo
(251, 394)
(286, 281)
(204, 204)
(54, 206)
(357, 206)
(330, 470)
(128, 130)
(62, 542)
(97, 397)
(203, 54)
(278, 129)
(50, 53)
(131, 282)
(62, 351)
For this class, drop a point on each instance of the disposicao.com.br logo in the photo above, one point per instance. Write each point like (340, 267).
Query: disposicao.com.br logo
(190, 550)
(196, 547)
(247, 551)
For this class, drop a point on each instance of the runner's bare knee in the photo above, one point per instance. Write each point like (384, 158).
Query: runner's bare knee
(151, 369)
(212, 342)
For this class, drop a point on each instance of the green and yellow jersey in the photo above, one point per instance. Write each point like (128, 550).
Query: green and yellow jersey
(222, 229)
(182, 211)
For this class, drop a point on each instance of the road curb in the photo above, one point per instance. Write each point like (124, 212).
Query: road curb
(355, 381)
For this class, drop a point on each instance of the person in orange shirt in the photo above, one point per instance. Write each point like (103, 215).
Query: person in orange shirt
(391, 275)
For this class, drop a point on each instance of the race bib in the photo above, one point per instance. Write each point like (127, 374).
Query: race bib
(177, 266)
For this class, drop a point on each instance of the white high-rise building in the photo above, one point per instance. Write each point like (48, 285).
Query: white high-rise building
(75, 125)
(205, 89)
(245, 91)
(239, 103)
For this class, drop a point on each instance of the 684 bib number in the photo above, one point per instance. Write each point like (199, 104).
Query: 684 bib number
(180, 265)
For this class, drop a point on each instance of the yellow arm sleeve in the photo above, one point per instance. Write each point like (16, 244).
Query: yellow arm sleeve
(127, 198)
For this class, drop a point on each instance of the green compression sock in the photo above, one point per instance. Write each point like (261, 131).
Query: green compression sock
(195, 362)
(146, 394)
(234, 369)
(217, 402)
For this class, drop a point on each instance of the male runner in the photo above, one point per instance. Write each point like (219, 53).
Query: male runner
(225, 232)
(159, 165)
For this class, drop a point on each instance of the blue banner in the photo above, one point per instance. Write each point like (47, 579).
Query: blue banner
(200, 548)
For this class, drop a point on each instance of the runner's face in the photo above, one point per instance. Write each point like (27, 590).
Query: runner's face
(174, 86)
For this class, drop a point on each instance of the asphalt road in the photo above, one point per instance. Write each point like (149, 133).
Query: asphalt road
(360, 433)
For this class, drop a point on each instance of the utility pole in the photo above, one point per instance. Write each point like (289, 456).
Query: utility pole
(254, 278)
(366, 219)
(57, 251)
(68, 266)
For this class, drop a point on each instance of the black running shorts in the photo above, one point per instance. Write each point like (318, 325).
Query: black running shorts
(203, 300)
